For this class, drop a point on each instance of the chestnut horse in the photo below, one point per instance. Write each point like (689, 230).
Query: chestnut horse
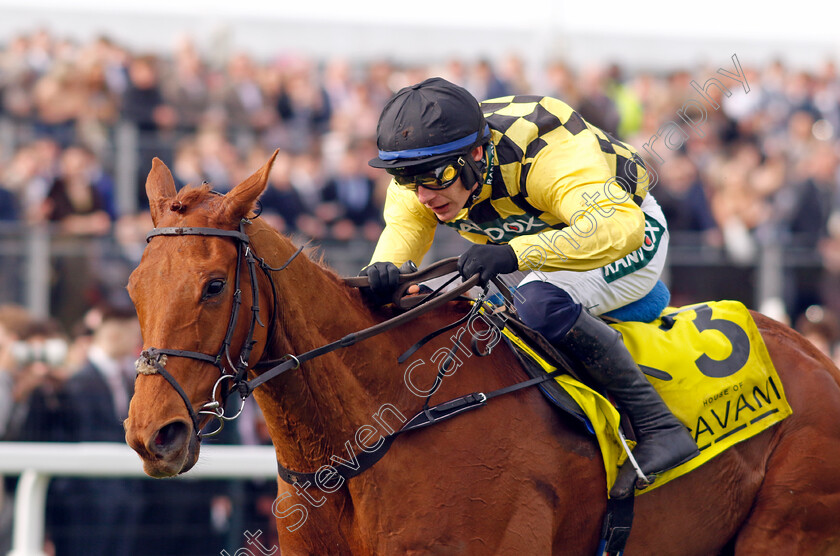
(514, 477)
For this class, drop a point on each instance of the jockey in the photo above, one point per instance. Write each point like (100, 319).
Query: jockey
(536, 188)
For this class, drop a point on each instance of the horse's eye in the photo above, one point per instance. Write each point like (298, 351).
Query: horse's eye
(213, 288)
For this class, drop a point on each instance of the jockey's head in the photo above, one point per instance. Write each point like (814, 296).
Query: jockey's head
(430, 134)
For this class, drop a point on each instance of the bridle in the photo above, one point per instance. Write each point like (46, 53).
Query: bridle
(153, 360)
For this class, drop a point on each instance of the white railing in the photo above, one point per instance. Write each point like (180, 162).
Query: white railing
(37, 462)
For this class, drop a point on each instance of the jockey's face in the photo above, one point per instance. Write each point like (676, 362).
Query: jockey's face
(447, 203)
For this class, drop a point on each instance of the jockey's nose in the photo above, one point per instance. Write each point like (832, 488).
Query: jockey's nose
(425, 195)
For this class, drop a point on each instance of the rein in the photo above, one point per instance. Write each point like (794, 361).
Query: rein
(153, 360)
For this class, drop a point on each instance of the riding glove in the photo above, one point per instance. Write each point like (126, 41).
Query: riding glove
(384, 279)
(487, 261)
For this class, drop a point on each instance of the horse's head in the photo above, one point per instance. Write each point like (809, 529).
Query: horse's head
(184, 290)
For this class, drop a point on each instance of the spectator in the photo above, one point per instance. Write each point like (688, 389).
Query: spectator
(13, 323)
(682, 197)
(819, 326)
(32, 407)
(185, 87)
(245, 104)
(39, 359)
(143, 102)
(303, 106)
(485, 83)
(60, 98)
(803, 207)
(144, 106)
(349, 201)
(99, 516)
(281, 202)
(595, 106)
(81, 198)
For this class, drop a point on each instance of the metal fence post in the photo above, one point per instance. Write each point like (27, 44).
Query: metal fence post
(770, 278)
(126, 167)
(38, 271)
(30, 503)
(8, 140)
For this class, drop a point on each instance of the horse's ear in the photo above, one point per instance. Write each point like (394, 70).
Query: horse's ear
(240, 200)
(160, 187)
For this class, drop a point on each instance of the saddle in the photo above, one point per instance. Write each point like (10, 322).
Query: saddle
(647, 309)
(708, 361)
(723, 383)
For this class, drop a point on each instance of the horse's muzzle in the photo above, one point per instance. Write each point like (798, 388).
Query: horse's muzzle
(168, 451)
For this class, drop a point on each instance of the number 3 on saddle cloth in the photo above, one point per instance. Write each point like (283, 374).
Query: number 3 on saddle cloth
(707, 361)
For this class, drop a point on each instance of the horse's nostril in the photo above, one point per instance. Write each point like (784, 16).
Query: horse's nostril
(169, 437)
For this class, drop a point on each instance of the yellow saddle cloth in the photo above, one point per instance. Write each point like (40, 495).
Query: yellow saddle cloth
(710, 365)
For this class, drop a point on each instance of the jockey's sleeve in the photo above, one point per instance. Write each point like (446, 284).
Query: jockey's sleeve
(572, 181)
(409, 230)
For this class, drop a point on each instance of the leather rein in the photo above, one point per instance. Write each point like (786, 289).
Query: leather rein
(233, 372)
(153, 360)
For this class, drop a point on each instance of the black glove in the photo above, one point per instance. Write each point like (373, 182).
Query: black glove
(384, 279)
(487, 261)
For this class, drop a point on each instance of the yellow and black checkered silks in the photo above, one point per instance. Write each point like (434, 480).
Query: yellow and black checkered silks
(562, 193)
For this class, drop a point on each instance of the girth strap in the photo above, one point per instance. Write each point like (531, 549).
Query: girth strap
(616, 528)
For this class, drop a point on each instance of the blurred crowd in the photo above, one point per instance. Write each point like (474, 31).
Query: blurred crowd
(762, 173)
(762, 169)
(57, 386)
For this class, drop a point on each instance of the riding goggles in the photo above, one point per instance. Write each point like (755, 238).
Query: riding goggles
(436, 179)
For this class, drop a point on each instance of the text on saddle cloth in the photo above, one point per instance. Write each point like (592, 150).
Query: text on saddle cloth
(711, 367)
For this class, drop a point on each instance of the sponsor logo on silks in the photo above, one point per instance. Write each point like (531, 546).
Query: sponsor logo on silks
(638, 258)
(501, 229)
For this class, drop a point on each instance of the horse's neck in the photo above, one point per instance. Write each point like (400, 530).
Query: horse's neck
(311, 412)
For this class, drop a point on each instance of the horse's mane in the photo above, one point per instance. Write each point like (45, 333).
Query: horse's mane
(317, 255)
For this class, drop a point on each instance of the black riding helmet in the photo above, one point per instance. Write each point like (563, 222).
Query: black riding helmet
(428, 123)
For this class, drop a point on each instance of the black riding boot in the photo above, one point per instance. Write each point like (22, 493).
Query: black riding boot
(662, 441)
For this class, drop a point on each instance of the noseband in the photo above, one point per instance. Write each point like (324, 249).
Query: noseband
(153, 360)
